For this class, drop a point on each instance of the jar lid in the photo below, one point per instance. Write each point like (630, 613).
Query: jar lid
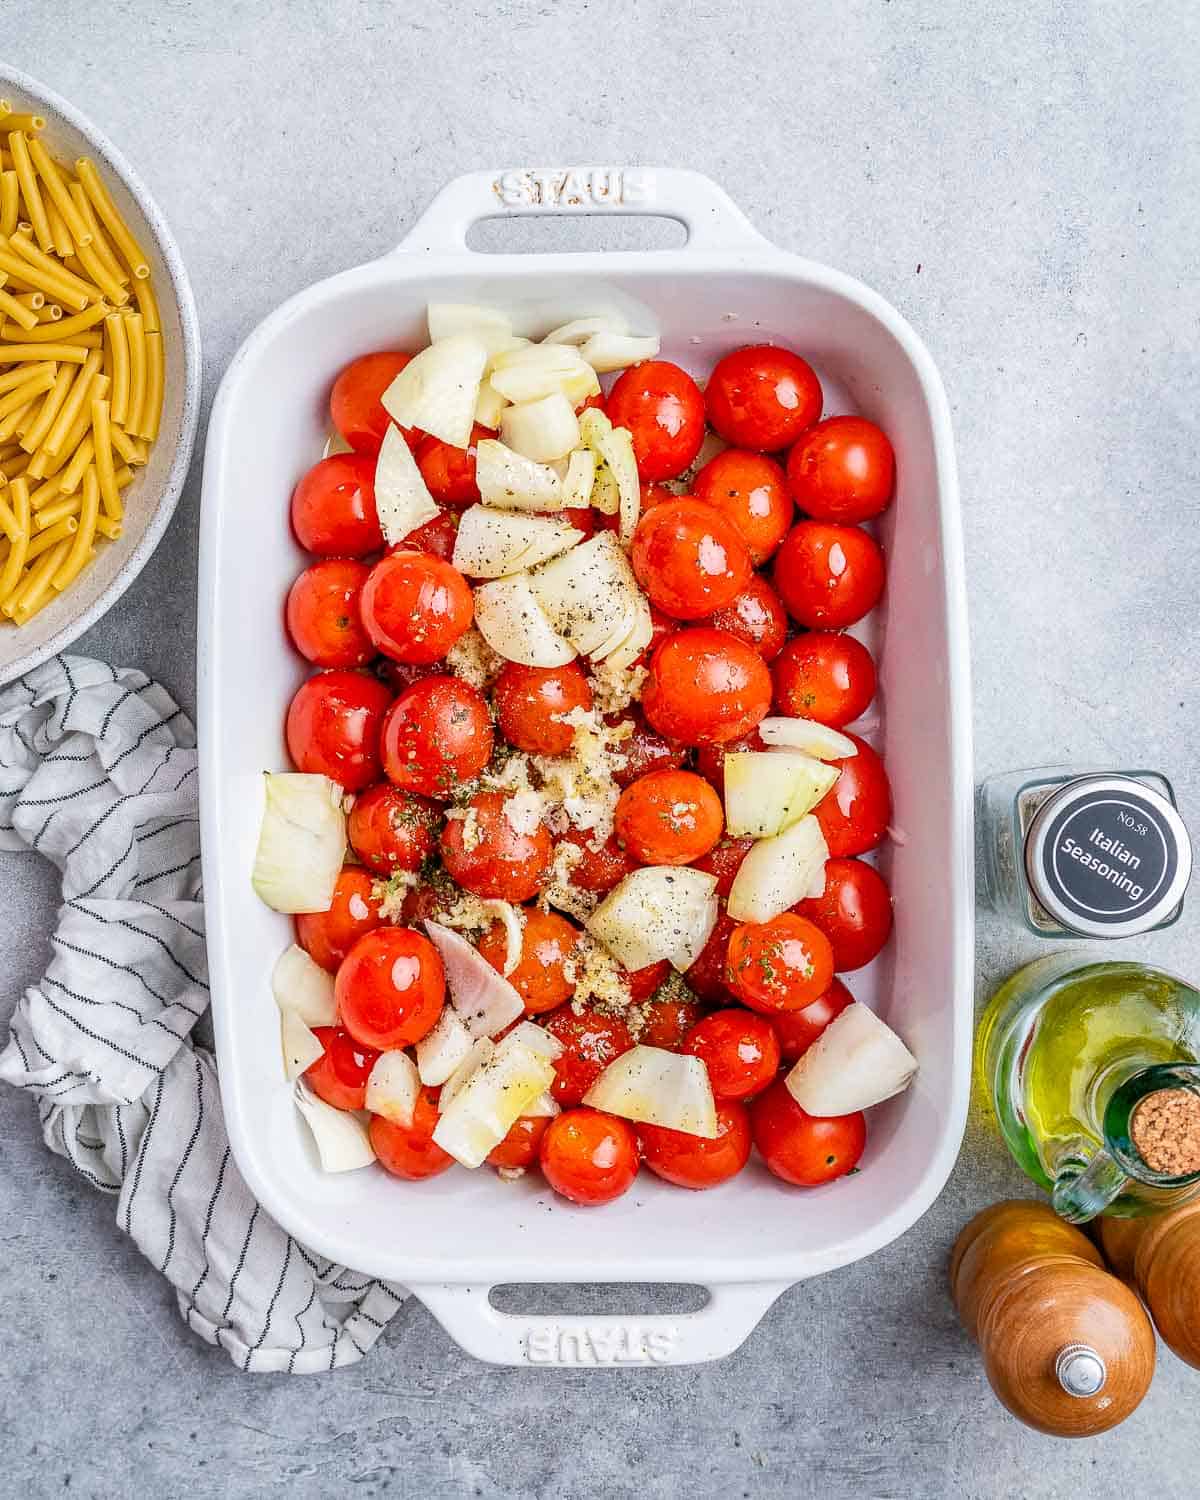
(1108, 856)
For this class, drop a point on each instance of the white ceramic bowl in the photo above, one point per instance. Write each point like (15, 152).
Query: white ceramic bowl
(150, 500)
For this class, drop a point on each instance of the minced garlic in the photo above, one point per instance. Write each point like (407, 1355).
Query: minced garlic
(472, 659)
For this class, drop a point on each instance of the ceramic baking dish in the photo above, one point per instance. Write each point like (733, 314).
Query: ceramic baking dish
(454, 1238)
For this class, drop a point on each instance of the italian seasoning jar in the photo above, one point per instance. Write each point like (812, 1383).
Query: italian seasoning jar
(1071, 853)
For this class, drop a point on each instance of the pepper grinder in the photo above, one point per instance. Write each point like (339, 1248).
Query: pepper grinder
(1160, 1257)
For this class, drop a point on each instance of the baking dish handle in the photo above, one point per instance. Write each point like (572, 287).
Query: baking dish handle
(712, 220)
(606, 1341)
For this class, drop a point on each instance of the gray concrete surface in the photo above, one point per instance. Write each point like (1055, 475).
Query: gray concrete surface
(1022, 182)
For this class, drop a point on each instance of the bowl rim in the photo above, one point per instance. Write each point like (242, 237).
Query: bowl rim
(189, 322)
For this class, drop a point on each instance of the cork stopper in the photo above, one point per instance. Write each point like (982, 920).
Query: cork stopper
(1165, 1129)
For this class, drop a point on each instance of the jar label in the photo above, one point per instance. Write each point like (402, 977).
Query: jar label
(1109, 856)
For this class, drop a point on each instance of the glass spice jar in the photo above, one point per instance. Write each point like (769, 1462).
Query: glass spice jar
(1075, 853)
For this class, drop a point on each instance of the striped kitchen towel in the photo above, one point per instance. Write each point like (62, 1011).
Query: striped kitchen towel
(98, 774)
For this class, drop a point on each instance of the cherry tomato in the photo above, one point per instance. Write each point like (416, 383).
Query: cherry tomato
(724, 860)
(531, 702)
(590, 1041)
(762, 397)
(327, 936)
(589, 1157)
(582, 518)
(519, 1148)
(707, 975)
(668, 1022)
(663, 409)
(323, 617)
(437, 537)
(710, 759)
(333, 507)
(756, 616)
(593, 403)
(449, 472)
(706, 687)
(541, 977)
(843, 469)
(402, 674)
(354, 402)
(782, 964)
(661, 627)
(339, 1075)
(437, 735)
(805, 1150)
(691, 1161)
(825, 676)
(752, 491)
(644, 982)
(797, 1030)
(644, 750)
(490, 857)
(828, 576)
(597, 870)
(689, 558)
(855, 812)
(855, 913)
(739, 1049)
(391, 829)
(333, 726)
(415, 606)
(656, 494)
(390, 988)
(410, 1153)
(669, 818)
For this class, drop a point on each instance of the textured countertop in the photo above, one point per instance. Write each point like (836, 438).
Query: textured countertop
(1025, 191)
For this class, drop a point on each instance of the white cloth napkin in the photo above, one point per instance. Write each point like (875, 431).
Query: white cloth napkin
(98, 774)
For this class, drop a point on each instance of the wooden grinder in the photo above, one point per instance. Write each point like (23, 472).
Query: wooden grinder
(1066, 1347)
(1160, 1256)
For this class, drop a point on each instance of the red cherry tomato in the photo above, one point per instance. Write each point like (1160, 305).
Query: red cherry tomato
(656, 494)
(519, 1148)
(437, 537)
(644, 750)
(724, 860)
(643, 982)
(797, 1030)
(401, 674)
(706, 687)
(590, 1041)
(691, 1161)
(489, 857)
(333, 507)
(825, 676)
(323, 617)
(805, 1150)
(661, 627)
(739, 1049)
(410, 1153)
(710, 759)
(667, 1022)
(855, 913)
(782, 964)
(327, 936)
(706, 977)
(548, 943)
(531, 703)
(595, 402)
(339, 1075)
(354, 402)
(597, 870)
(415, 606)
(589, 1157)
(668, 818)
(333, 726)
(855, 812)
(843, 469)
(689, 558)
(390, 988)
(663, 409)
(828, 576)
(437, 735)
(391, 829)
(449, 472)
(762, 397)
(752, 491)
(756, 616)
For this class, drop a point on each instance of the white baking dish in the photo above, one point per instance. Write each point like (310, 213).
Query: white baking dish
(452, 1239)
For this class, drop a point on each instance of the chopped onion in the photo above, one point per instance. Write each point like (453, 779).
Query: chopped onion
(341, 1137)
(301, 844)
(807, 735)
(300, 1047)
(640, 635)
(537, 1039)
(513, 623)
(589, 593)
(484, 999)
(484, 1109)
(542, 430)
(393, 1088)
(579, 478)
(856, 1062)
(613, 447)
(480, 1052)
(616, 351)
(767, 791)
(490, 405)
(492, 543)
(486, 324)
(511, 919)
(335, 443)
(441, 1051)
(303, 988)
(402, 497)
(544, 370)
(657, 912)
(438, 388)
(579, 330)
(513, 482)
(778, 872)
(657, 1087)
(544, 1107)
